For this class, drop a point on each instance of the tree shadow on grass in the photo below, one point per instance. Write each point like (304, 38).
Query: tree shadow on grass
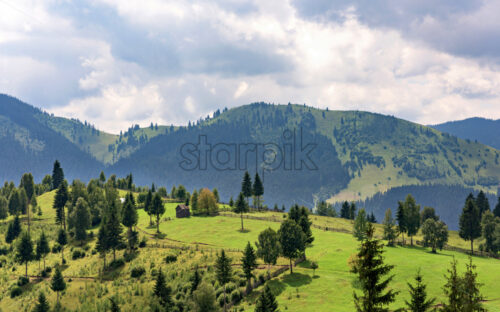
(297, 279)
(244, 230)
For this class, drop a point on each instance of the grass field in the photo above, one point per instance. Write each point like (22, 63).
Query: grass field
(331, 288)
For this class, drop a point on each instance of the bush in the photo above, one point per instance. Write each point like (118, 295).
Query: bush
(143, 242)
(116, 264)
(23, 281)
(56, 248)
(170, 258)
(16, 291)
(262, 278)
(128, 256)
(77, 254)
(4, 250)
(137, 272)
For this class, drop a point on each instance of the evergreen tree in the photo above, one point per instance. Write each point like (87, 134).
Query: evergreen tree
(147, 206)
(216, 195)
(371, 218)
(114, 307)
(195, 280)
(223, 272)
(81, 219)
(28, 184)
(241, 207)
(60, 201)
(194, 202)
(292, 240)
(472, 297)
(360, 225)
(231, 202)
(4, 208)
(130, 218)
(371, 270)
(57, 175)
(102, 245)
(246, 186)
(268, 247)
(62, 240)
(266, 301)
(25, 251)
(389, 228)
(453, 290)
(58, 284)
(13, 230)
(43, 304)
(162, 291)
(15, 205)
(157, 209)
(42, 248)
(418, 293)
(345, 210)
(249, 262)
(428, 213)
(470, 222)
(412, 214)
(401, 218)
(113, 229)
(258, 190)
(352, 211)
(301, 216)
(102, 178)
(435, 234)
(482, 203)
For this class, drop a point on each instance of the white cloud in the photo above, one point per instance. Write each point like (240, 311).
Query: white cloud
(242, 87)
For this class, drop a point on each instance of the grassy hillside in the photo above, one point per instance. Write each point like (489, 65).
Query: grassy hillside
(332, 286)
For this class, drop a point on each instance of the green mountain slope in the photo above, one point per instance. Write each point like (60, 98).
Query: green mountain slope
(357, 154)
(28, 145)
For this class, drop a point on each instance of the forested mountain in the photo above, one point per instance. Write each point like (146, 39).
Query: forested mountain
(28, 145)
(486, 131)
(335, 155)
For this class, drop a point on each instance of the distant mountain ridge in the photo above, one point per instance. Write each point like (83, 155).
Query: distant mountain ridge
(486, 131)
(356, 154)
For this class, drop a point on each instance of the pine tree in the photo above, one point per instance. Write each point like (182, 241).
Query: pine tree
(360, 225)
(470, 222)
(418, 293)
(60, 201)
(42, 248)
(15, 205)
(43, 304)
(194, 202)
(157, 209)
(249, 262)
(102, 178)
(81, 219)
(25, 252)
(223, 272)
(488, 224)
(292, 240)
(472, 297)
(266, 301)
(4, 208)
(195, 280)
(162, 291)
(402, 220)
(130, 218)
(113, 229)
(102, 245)
(28, 185)
(389, 230)
(352, 211)
(14, 230)
(453, 289)
(496, 211)
(147, 206)
(241, 207)
(345, 210)
(58, 284)
(482, 203)
(246, 186)
(258, 190)
(57, 175)
(371, 270)
(62, 240)
(216, 195)
(114, 307)
(231, 202)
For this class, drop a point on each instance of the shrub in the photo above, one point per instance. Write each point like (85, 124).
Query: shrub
(23, 281)
(16, 291)
(143, 242)
(170, 258)
(262, 278)
(128, 256)
(137, 272)
(116, 264)
(56, 248)
(77, 254)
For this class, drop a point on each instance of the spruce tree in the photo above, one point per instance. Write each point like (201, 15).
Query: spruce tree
(482, 203)
(352, 211)
(488, 224)
(57, 175)
(58, 284)
(62, 240)
(81, 219)
(130, 218)
(43, 304)
(258, 190)
(246, 186)
(147, 206)
(194, 202)
(453, 289)
(249, 262)
(389, 228)
(241, 207)
(496, 211)
(25, 251)
(292, 240)
(195, 280)
(60, 201)
(345, 210)
(14, 230)
(470, 222)
(223, 272)
(28, 185)
(114, 307)
(231, 202)
(113, 229)
(102, 245)
(15, 205)
(360, 225)
(418, 294)
(162, 291)
(266, 301)
(472, 298)
(157, 209)
(4, 208)
(371, 270)
(42, 248)
(216, 195)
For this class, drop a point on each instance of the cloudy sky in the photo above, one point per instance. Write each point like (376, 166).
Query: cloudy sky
(115, 62)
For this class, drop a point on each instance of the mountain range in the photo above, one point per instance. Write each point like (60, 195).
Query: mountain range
(302, 153)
